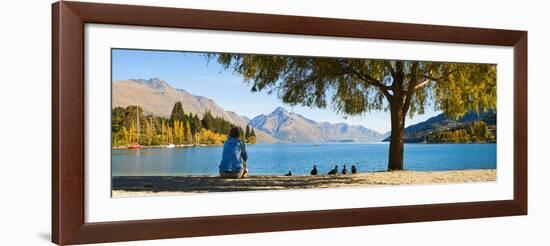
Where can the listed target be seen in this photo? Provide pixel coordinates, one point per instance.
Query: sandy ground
(175, 185)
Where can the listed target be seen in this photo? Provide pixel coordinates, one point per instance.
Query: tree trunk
(395, 161)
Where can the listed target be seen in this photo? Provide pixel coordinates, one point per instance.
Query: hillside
(418, 132)
(157, 97)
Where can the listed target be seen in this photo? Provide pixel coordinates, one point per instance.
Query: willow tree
(353, 87)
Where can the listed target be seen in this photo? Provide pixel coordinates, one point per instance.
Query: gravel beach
(128, 186)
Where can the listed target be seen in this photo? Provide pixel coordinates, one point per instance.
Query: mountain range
(291, 127)
(157, 97)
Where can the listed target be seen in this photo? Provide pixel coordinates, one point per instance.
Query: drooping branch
(381, 87)
(384, 89)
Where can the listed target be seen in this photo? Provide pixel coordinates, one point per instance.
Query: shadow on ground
(254, 183)
(217, 184)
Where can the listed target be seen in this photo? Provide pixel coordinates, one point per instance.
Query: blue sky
(191, 71)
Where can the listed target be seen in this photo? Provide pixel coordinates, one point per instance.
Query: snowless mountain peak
(291, 127)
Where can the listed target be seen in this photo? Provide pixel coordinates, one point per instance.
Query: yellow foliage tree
(169, 136)
(163, 130)
(188, 138)
(132, 133)
(149, 132)
(208, 137)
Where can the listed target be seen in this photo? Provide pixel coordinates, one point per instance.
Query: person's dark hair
(234, 132)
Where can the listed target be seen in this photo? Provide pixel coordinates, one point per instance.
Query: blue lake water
(278, 159)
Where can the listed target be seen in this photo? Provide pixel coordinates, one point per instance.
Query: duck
(344, 170)
(314, 170)
(288, 174)
(334, 171)
(353, 169)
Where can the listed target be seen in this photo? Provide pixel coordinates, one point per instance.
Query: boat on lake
(135, 146)
(170, 146)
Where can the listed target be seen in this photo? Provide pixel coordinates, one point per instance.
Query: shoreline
(133, 186)
(217, 145)
(164, 146)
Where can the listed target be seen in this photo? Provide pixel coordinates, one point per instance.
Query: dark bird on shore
(288, 174)
(314, 170)
(344, 170)
(353, 169)
(334, 171)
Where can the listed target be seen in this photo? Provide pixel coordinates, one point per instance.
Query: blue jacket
(233, 155)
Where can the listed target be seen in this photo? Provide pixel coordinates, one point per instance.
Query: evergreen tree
(177, 113)
(195, 125)
(191, 118)
(181, 132)
(207, 121)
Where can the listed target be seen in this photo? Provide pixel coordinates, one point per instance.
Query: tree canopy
(356, 86)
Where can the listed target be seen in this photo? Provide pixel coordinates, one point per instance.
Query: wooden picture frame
(68, 121)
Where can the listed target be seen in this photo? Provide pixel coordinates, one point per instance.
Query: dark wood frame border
(68, 19)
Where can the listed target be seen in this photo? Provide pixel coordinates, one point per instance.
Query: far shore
(164, 146)
(129, 186)
(217, 145)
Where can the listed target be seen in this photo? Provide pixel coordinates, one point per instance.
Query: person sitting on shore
(233, 156)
